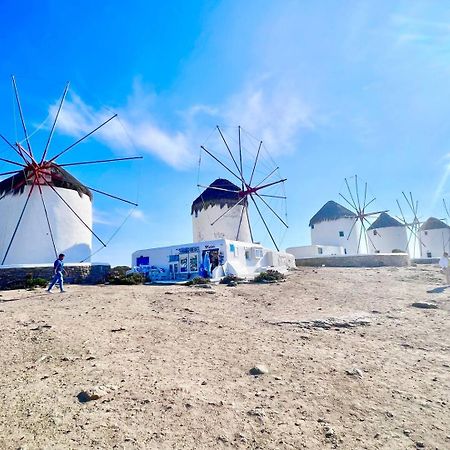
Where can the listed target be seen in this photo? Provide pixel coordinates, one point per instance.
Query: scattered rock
(389, 414)
(420, 444)
(407, 432)
(232, 284)
(95, 393)
(329, 432)
(354, 372)
(424, 305)
(326, 324)
(259, 369)
(115, 330)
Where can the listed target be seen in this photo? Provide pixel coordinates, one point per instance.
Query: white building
(219, 212)
(435, 238)
(311, 251)
(336, 226)
(386, 235)
(226, 257)
(32, 243)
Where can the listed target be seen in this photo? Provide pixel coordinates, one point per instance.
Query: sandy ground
(172, 364)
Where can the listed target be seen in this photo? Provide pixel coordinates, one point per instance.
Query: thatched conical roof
(331, 211)
(211, 197)
(384, 220)
(54, 175)
(433, 224)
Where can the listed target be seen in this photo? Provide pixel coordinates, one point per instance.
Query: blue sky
(333, 88)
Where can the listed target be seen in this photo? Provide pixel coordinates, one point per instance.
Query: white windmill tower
(387, 235)
(44, 210)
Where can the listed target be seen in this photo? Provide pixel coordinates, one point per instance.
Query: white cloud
(272, 112)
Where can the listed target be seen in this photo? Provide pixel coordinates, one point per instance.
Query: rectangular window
(320, 250)
(341, 234)
(375, 232)
(143, 261)
(312, 227)
(426, 233)
(193, 263)
(247, 253)
(183, 263)
(428, 254)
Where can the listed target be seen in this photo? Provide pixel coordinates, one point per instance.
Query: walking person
(58, 269)
(444, 265)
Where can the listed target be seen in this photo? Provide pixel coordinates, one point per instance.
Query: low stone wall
(378, 260)
(15, 277)
(425, 261)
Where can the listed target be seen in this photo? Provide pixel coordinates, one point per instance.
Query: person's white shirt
(443, 262)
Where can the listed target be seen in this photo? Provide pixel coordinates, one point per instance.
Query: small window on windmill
(320, 250)
(426, 233)
(429, 255)
(312, 227)
(247, 253)
(375, 232)
(341, 234)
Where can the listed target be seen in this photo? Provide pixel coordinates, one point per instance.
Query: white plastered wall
(387, 239)
(328, 233)
(435, 242)
(32, 243)
(225, 228)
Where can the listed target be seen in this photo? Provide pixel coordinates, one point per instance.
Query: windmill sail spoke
(264, 186)
(368, 236)
(47, 219)
(365, 197)
(359, 240)
(228, 210)
(16, 91)
(348, 202)
(240, 157)
(82, 139)
(240, 223)
(255, 163)
(50, 136)
(229, 150)
(16, 150)
(112, 196)
(18, 224)
(217, 188)
(265, 224)
(100, 161)
(74, 212)
(351, 195)
(267, 177)
(351, 228)
(8, 173)
(273, 196)
(273, 211)
(445, 208)
(357, 192)
(221, 163)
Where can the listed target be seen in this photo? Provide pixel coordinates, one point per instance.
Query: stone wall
(378, 260)
(15, 277)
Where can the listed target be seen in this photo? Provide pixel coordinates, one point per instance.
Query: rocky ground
(348, 363)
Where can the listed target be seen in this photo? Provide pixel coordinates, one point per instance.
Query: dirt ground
(351, 364)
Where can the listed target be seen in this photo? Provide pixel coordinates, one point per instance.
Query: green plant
(269, 276)
(230, 278)
(197, 280)
(118, 275)
(31, 282)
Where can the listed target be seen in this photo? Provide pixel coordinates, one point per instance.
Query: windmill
(224, 207)
(359, 203)
(45, 210)
(412, 225)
